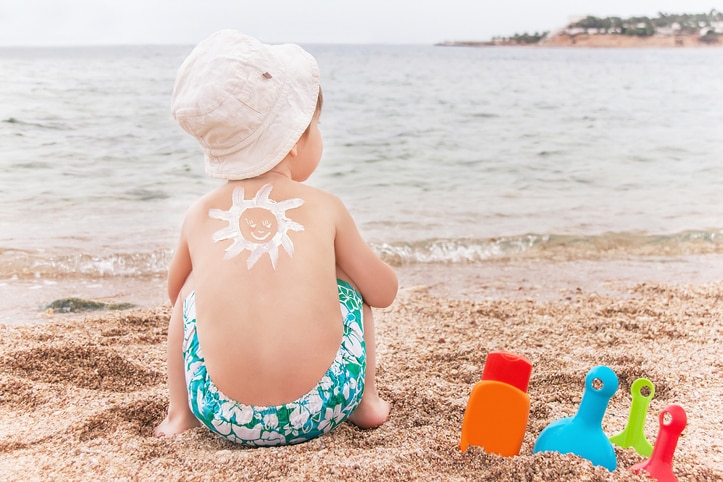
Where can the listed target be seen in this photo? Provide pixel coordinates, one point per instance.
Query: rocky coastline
(626, 41)
(584, 40)
(665, 30)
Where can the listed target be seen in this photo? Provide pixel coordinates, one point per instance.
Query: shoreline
(79, 396)
(597, 41)
(26, 302)
(545, 279)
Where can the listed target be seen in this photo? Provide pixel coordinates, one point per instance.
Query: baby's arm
(375, 280)
(378, 285)
(179, 269)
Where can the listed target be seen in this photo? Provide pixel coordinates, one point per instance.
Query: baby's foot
(371, 412)
(175, 425)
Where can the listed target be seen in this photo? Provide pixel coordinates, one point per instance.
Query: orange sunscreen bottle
(498, 407)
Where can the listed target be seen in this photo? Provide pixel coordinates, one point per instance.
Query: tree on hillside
(644, 26)
(639, 26)
(526, 38)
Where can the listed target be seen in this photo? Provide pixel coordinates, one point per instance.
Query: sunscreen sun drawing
(258, 225)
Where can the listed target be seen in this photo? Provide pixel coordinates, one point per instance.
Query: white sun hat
(247, 103)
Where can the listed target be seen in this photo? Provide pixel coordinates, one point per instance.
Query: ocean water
(443, 155)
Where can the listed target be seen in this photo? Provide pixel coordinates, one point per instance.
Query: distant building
(706, 30)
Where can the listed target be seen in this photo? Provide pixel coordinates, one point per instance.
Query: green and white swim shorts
(325, 406)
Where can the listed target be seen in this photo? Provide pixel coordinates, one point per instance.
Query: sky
(121, 22)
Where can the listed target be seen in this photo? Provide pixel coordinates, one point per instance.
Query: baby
(271, 339)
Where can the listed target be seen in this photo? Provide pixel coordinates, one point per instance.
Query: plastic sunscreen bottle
(498, 407)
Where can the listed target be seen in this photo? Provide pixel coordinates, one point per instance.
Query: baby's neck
(271, 175)
(277, 171)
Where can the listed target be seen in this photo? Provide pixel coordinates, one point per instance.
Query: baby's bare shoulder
(321, 196)
(311, 196)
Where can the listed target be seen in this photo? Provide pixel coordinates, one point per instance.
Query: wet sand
(79, 396)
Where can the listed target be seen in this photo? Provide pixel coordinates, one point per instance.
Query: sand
(79, 397)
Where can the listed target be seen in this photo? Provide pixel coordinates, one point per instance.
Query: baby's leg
(179, 417)
(372, 411)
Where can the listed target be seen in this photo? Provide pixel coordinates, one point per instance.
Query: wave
(15, 120)
(23, 264)
(39, 264)
(554, 247)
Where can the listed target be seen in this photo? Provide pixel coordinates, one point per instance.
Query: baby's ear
(294, 150)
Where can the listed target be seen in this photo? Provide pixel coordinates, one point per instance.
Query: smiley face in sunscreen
(257, 225)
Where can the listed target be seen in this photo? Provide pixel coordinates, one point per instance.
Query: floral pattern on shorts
(325, 406)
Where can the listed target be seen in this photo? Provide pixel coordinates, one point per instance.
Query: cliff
(625, 41)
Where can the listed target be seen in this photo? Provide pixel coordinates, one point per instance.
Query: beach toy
(632, 435)
(582, 434)
(660, 464)
(496, 414)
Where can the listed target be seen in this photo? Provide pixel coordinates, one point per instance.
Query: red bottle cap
(506, 367)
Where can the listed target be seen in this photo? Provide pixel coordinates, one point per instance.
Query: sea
(446, 156)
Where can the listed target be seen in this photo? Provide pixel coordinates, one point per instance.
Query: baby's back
(264, 274)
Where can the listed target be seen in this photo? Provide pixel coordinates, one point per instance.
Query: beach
(80, 394)
(558, 203)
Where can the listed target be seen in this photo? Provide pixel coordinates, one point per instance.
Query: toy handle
(634, 433)
(664, 447)
(595, 400)
(639, 408)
